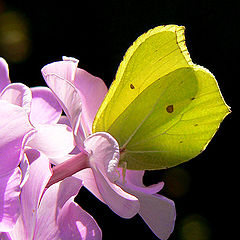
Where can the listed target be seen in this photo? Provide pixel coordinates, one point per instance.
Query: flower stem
(69, 167)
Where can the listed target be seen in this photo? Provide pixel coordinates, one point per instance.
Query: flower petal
(5, 236)
(18, 94)
(39, 175)
(64, 120)
(53, 140)
(56, 76)
(85, 227)
(18, 232)
(87, 176)
(14, 125)
(45, 108)
(92, 91)
(64, 218)
(4, 74)
(134, 181)
(24, 166)
(159, 213)
(104, 156)
(9, 199)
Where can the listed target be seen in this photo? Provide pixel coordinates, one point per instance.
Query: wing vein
(147, 116)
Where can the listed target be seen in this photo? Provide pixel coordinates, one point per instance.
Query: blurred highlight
(177, 182)
(194, 227)
(15, 44)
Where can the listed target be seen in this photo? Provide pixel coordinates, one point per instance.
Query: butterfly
(162, 108)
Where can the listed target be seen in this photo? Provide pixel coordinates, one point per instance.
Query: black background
(98, 33)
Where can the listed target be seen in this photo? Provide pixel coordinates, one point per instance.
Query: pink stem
(68, 168)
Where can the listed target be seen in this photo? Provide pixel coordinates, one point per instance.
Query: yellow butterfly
(162, 108)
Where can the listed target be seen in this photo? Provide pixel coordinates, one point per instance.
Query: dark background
(34, 33)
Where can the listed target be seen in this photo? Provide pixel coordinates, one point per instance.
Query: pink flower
(52, 213)
(96, 161)
(43, 112)
(28, 120)
(12, 142)
(14, 132)
(31, 119)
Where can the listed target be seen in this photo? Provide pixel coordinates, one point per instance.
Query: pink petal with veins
(55, 140)
(92, 90)
(18, 94)
(39, 175)
(64, 218)
(56, 76)
(45, 108)
(14, 125)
